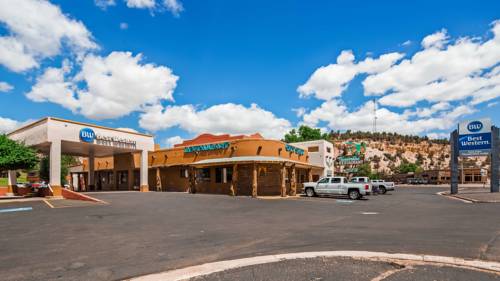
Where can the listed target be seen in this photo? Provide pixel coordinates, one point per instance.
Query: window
(218, 175)
(329, 149)
(229, 174)
(336, 180)
(205, 174)
(313, 149)
(325, 180)
(183, 173)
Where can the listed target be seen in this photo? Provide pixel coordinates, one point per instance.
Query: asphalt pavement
(142, 233)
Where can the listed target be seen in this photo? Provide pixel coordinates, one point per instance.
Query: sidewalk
(476, 194)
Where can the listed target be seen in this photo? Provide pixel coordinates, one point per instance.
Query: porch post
(55, 167)
(309, 175)
(293, 190)
(12, 181)
(254, 180)
(91, 174)
(144, 172)
(234, 181)
(192, 180)
(158, 180)
(283, 179)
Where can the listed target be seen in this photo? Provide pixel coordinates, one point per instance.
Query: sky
(178, 68)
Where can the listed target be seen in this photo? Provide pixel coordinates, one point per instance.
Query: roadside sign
(474, 137)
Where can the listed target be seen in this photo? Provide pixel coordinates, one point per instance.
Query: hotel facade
(116, 159)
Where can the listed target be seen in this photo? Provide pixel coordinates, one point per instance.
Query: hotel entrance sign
(474, 137)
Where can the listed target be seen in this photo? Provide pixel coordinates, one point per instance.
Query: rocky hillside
(386, 151)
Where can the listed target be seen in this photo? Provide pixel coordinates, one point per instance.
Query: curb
(209, 268)
(71, 195)
(465, 199)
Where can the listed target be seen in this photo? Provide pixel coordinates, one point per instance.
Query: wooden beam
(293, 189)
(234, 181)
(283, 180)
(254, 180)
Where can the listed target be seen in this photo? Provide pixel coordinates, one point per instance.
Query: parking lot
(141, 233)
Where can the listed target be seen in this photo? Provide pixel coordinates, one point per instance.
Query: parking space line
(16, 210)
(47, 202)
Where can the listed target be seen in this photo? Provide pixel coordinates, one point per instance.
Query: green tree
(305, 133)
(66, 162)
(364, 170)
(15, 155)
(407, 167)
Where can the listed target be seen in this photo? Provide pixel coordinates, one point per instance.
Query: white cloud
(227, 118)
(436, 40)
(141, 4)
(442, 71)
(5, 87)
(299, 111)
(104, 4)
(8, 125)
(338, 117)
(128, 130)
(123, 25)
(38, 29)
(330, 81)
(492, 104)
(435, 136)
(406, 43)
(170, 142)
(106, 87)
(174, 6)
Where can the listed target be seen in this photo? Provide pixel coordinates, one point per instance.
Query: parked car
(417, 181)
(337, 186)
(383, 186)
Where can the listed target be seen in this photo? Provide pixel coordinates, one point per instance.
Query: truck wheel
(354, 194)
(310, 192)
(382, 190)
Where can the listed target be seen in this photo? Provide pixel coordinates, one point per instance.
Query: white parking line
(369, 213)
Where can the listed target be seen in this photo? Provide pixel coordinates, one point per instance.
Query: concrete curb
(465, 198)
(209, 268)
(69, 194)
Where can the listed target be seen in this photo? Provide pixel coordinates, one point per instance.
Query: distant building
(321, 153)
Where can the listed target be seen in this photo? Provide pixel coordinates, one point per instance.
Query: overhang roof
(249, 159)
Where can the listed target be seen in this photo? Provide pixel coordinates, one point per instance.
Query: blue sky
(236, 67)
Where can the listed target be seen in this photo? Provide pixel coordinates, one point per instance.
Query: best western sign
(88, 135)
(474, 137)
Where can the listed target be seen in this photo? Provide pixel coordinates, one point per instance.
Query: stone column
(55, 167)
(130, 178)
(283, 179)
(11, 181)
(91, 174)
(293, 185)
(234, 181)
(254, 180)
(144, 185)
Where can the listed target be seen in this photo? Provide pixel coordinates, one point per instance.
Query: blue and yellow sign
(206, 147)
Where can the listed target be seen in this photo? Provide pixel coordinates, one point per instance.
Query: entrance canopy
(54, 136)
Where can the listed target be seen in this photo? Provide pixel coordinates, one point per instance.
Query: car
(417, 181)
(383, 186)
(337, 186)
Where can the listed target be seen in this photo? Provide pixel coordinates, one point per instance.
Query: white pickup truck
(378, 186)
(337, 186)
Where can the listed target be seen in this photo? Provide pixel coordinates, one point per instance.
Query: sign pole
(495, 160)
(454, 162)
